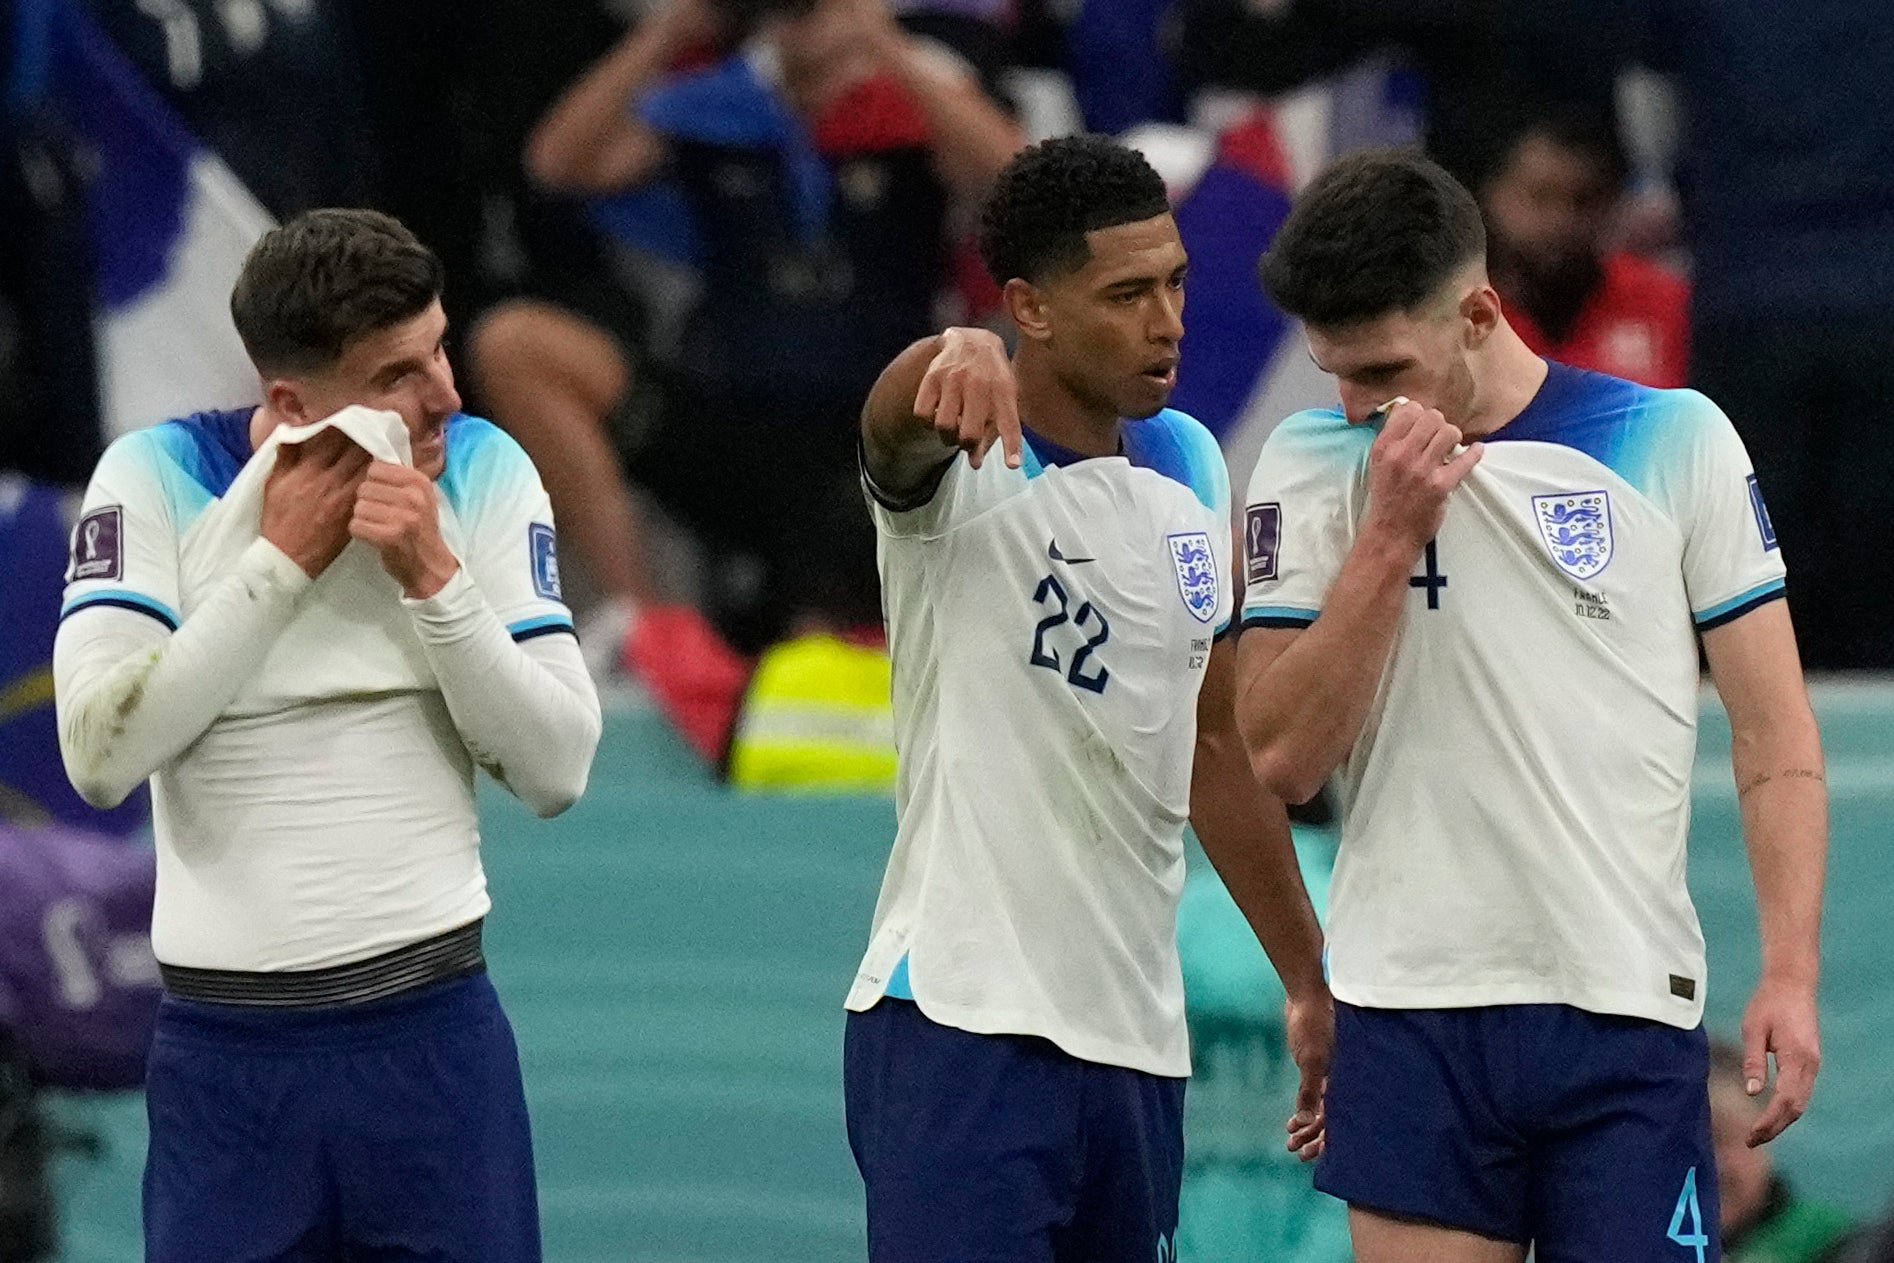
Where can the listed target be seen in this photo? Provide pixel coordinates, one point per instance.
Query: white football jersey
(1049, 627)
(327, 814)
(1516, 808)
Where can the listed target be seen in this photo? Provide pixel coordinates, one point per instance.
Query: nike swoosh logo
(1052, 551)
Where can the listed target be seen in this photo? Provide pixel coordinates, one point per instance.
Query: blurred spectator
(1246, 1199)
(1763, 1220)
(816, 165)
(1549, 209)
(1787, 178)
(1483, 62)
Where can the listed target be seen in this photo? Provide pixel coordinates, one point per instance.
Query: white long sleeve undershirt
(132, 696)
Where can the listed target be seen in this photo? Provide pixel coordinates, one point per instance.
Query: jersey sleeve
(512, 548)
(961, 494)
(1299, 517)
(1731, 560)
(124, 550)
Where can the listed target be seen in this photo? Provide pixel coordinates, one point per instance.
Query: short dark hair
(327, 277)
(1053, 193)
(1576, 126)
(1378, 232)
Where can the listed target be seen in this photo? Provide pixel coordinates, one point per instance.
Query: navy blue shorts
(1004, 1149)
(1586, 1134)
(392, 1131)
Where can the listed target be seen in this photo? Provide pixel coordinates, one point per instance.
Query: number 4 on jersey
(1433, 580)
(1687, 1205)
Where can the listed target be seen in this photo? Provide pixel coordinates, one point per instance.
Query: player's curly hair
(324, 279)
(1052, 194)
(1380, 231)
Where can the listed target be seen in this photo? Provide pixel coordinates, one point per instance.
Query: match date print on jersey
(1590, 605)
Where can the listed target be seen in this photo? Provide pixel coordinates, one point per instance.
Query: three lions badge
(1576, 527)
(1196, 568)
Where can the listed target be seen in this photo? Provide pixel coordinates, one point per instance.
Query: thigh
(434, 1157)
(1384, 1238)
(234, 1171)
(1134, 1170)
(968, 1145)
(1624, 1169)
(1417, 1124)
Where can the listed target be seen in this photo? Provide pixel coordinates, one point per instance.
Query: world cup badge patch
(545, 553)
(1576, 526)
(98, 545)
(1262, 538)
(1196, 573)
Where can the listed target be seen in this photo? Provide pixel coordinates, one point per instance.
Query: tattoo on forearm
(1786, 774)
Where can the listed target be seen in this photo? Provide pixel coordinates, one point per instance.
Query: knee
(511, 339)
(522, 350)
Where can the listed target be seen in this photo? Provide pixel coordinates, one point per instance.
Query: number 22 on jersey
(1088, 620)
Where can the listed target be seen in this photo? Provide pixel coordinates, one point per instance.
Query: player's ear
(1480, 314)
(1026, 304)
(284, 396)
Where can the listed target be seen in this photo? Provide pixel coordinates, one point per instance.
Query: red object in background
(873, 115)
(980, 295)
(695, 678)
(1635, 325)
(1252, 145)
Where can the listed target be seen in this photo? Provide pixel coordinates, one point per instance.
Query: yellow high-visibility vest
(816, 718)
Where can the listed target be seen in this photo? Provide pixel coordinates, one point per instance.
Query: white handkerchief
(381, 433)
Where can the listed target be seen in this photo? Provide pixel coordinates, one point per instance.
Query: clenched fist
(396, 512)
(309, 496)
(1414, 465)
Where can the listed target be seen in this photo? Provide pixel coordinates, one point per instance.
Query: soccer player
(332, 1075)
(1481, 606)
(1016, 1050)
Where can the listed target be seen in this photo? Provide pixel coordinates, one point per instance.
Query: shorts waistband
(442, 958)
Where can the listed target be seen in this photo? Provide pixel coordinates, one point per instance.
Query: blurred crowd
(682, 238)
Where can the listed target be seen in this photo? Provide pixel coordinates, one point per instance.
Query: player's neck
(1049, 409)
(1509, 378)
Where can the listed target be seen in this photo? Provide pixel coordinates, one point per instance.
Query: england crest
(1576, 526)
(1196, 573)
